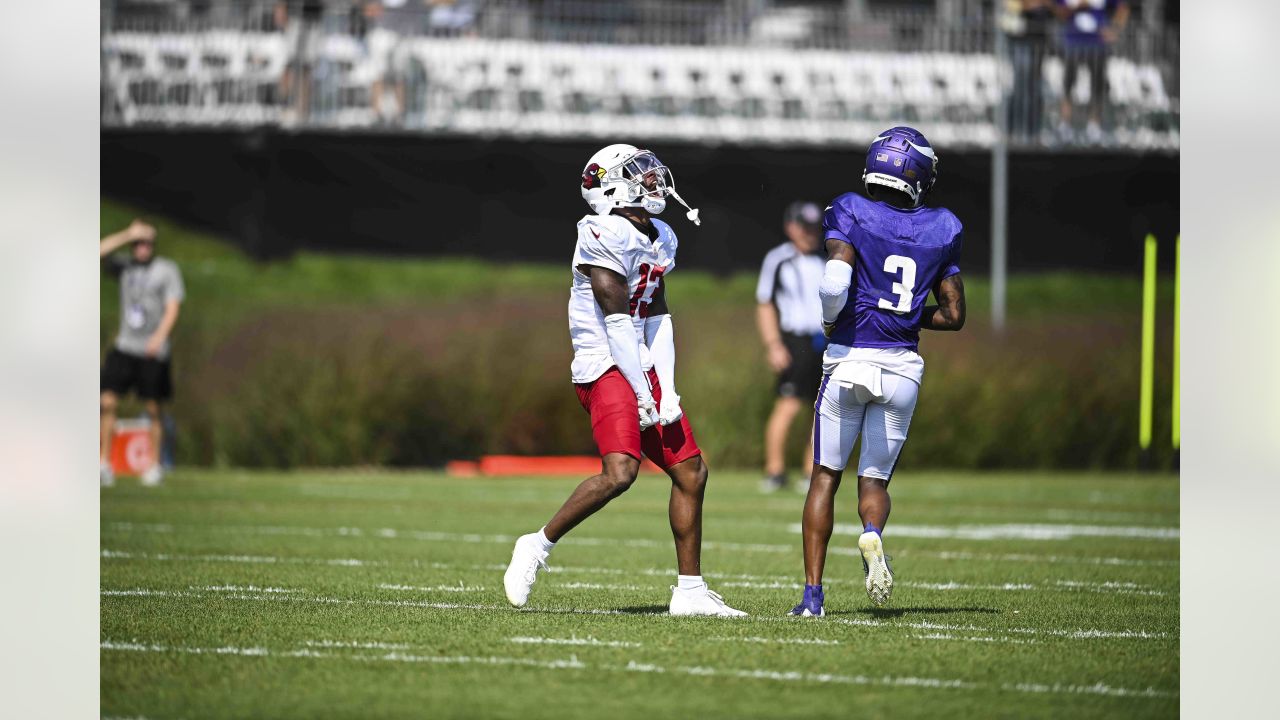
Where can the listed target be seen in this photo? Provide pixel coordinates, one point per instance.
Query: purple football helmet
(902, 159)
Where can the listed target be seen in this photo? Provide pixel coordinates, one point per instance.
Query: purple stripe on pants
(817, 420)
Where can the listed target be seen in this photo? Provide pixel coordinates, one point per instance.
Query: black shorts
(800, 379)
(149, 377)
(1092, 61)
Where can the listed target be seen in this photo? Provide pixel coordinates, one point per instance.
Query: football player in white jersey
(624, 369)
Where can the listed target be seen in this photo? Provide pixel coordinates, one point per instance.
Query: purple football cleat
(811, 605)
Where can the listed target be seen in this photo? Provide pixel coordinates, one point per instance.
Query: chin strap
(693, 212)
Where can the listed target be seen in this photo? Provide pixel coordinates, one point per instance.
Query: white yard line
(752, 582)
(574, 640)
(776, 641)
(573, 663)
(432, 536)
(250, 559)
(355, 644)
(458, 587)
(1079, 634)
(1012, 531)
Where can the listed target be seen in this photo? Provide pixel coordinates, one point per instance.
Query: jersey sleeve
(598, 245)
(952, 264)
(173, 286)
(767, 285)
(836, 222)
(668, 243)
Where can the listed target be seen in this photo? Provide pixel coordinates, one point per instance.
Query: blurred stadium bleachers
(710, 71)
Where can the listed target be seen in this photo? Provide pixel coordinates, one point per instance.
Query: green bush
(327, 361)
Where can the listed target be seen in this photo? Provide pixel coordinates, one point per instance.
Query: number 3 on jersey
(893, 265)
(650, 280)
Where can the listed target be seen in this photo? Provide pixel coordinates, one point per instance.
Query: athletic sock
(814, 591)
(543, 541)
(871, 528)
(689, 582)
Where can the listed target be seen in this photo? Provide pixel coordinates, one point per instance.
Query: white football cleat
(700, 601)
(152, 476)
(876, 567)
(106, 476)
(527, 559)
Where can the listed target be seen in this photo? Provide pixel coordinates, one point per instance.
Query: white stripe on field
(1085, 633)
(753, 582)
(251, 559)
(429, 536)
(777, 641)
(459, 587)
(573, 663)
(1098, 689)
(245, 588)
(574, 640)
(355, 644)
(1012, 531)
(972, 638)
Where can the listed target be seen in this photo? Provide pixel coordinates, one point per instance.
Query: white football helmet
(622, 175)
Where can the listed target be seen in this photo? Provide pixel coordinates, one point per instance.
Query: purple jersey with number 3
(901, 256)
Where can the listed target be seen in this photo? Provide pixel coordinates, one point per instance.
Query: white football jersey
(611, 241)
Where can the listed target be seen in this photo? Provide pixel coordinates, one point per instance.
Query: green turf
(316, 594)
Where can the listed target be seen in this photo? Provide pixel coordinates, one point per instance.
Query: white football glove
(648, 413)
(670, 412)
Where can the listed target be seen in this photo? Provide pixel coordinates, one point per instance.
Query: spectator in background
(1089, 26)
(151, 292)
(1028, 25)
(391, 23)
(300, 20)
(789, 317)
(453, 18)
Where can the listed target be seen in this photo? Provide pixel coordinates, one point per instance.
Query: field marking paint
(1075, 634)
(1013, 531)
(973, 638)
(245, 588)
(574, 640)
(459, 587)
(429, 536)
(753, 582)
(250, 559)
(573, 663)
(1098, 689)
(777, 641)
(1032, 558)
(355, 644)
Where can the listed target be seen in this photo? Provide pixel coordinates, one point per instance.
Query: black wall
(274, 192)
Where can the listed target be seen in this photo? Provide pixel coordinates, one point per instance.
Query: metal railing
(741, 71)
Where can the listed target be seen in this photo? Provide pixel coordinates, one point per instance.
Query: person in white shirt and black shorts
(789, 316)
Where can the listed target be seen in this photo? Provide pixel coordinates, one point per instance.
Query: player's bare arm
(949, 313)
(609, 288)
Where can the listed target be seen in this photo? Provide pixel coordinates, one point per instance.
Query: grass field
(343, 594)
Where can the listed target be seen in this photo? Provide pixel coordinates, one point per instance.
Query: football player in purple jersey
(886, 252)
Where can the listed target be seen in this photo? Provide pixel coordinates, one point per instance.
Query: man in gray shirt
(151, 292)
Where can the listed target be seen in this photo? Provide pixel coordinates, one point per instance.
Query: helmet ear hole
(609, 192)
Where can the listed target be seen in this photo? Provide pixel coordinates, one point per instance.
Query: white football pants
(878, 407)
